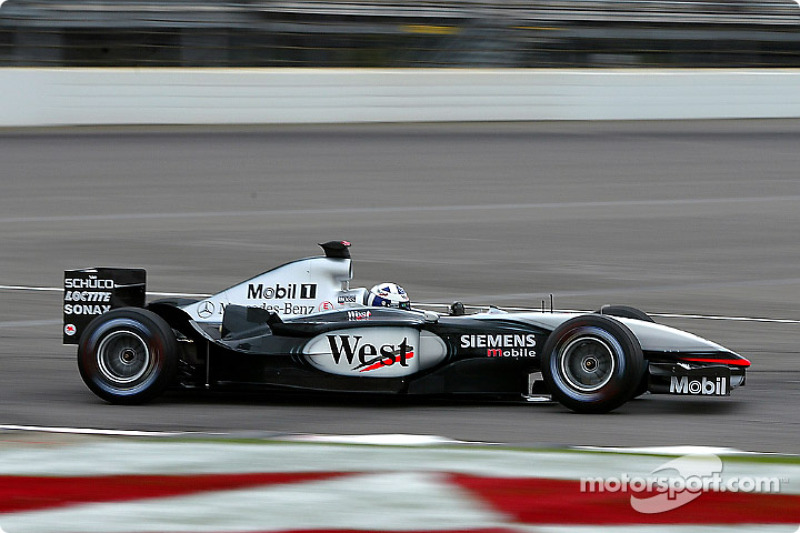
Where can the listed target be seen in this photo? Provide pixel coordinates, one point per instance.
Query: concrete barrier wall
(55, 97)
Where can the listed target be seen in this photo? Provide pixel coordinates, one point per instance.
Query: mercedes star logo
(205, 309)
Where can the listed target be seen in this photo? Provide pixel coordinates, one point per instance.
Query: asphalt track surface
(672, 217)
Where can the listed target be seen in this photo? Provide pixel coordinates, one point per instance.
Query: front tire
(625, 311)
(128, 356)
(592, 364)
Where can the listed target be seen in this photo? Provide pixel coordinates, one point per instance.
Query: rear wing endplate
(90, 292)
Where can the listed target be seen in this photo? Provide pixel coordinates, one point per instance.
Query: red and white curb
(129, 485)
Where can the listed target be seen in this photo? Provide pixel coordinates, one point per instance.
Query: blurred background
(393, 33)
(497, 187)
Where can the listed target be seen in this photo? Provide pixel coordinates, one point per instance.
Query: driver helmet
(388, 294)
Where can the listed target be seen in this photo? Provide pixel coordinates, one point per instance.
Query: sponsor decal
(326, 306)
(205, 309)
(286, 308)
(91, 283)
(86, 296)
(508, 345)
(705, 387)
(510, 352)
(358, 315)
(92, 293)
(70, 330)
(367, 356)
(678, 482)
(290, 309)
(86, 309)
(346, 299)
(292, 291)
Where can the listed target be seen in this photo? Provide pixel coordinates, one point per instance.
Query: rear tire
(128, 356)
(592, 364)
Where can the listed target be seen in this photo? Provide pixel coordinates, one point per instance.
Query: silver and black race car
(301, 327)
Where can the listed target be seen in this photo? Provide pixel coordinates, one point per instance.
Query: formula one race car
(301, 327)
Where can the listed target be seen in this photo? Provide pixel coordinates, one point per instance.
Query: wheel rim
(587, 363)
(123, 357)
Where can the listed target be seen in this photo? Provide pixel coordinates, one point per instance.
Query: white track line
(660, 315)
(406, 209)
(669, 450)
(32, 289)
(729, 318)
(89, 431)
(379, 439)
(707, 317)
(387, 439)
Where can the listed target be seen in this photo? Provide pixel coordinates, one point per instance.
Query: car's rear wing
(90, 292)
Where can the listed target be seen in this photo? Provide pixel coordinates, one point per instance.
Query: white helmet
(388, 294)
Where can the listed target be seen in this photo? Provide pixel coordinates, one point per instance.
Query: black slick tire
(625, 311)
(592, 364)
(128, 356)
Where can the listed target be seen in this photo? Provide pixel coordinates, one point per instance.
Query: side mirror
(431, 316)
